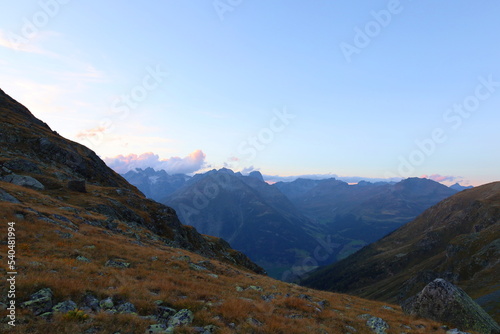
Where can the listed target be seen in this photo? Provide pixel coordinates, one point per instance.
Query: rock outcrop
(444, 302)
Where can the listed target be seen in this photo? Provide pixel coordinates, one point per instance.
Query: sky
(374, 89)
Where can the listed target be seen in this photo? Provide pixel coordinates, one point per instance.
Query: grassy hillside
(457, 239)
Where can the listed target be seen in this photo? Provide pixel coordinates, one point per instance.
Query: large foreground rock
(444, 302)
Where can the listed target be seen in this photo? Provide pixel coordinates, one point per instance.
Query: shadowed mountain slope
(251, 215)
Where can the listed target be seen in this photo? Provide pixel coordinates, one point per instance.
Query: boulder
(65, 306)
(126, 308)
(164, 313)
(377, 325)
(77, 185)
(91, 302)
(442, 301)
(6, 197)
(107, 304)
(118, 263)
(182, 318)
(40, 302)
(25, 181)
(158, 329)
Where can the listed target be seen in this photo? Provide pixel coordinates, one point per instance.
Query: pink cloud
(442, 178)
(91, 132)
(174, 165)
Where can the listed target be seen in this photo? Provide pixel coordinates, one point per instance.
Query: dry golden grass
(47, 258)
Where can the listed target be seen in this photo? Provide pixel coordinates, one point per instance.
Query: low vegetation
(230, 298)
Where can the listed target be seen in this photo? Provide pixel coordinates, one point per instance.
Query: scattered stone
(210, 329)
(306, 297)
(268, 298)
(182, 318)
(6, 197)
(77, 185)
(68, 208)
(254, 322)
(65, 306)
(184, 258)
(91, 302)
(39, 302)
(442, 301)
(36, 264)
(82, 259)
(106, 304)
(385, 307)
(377, 325)
(126, 308)
(24, 180)
(323, 303)
(364, 316)
(206, 330)
(47, 315)
(239, 289)
(350, 329)
(196, 267)
(164, 314)
(456, 331)
(213, 275)
(157, 329)
(64, 235)
(254, 287)
(118, 263)
(294, 316)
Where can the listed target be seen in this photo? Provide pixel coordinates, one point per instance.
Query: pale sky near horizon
(369, 88)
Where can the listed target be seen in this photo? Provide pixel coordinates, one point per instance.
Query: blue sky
(374, 88)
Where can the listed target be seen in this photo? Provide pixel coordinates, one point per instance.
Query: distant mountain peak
(257, 175)
(457, 186)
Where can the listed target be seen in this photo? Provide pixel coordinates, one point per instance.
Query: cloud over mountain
(442, 178)
(174, 165)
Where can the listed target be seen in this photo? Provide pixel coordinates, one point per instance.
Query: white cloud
(174, 165)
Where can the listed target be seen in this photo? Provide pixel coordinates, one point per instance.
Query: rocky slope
(457, 239)
(34, 156)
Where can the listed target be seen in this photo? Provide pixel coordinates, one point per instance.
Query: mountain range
(295, 220)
